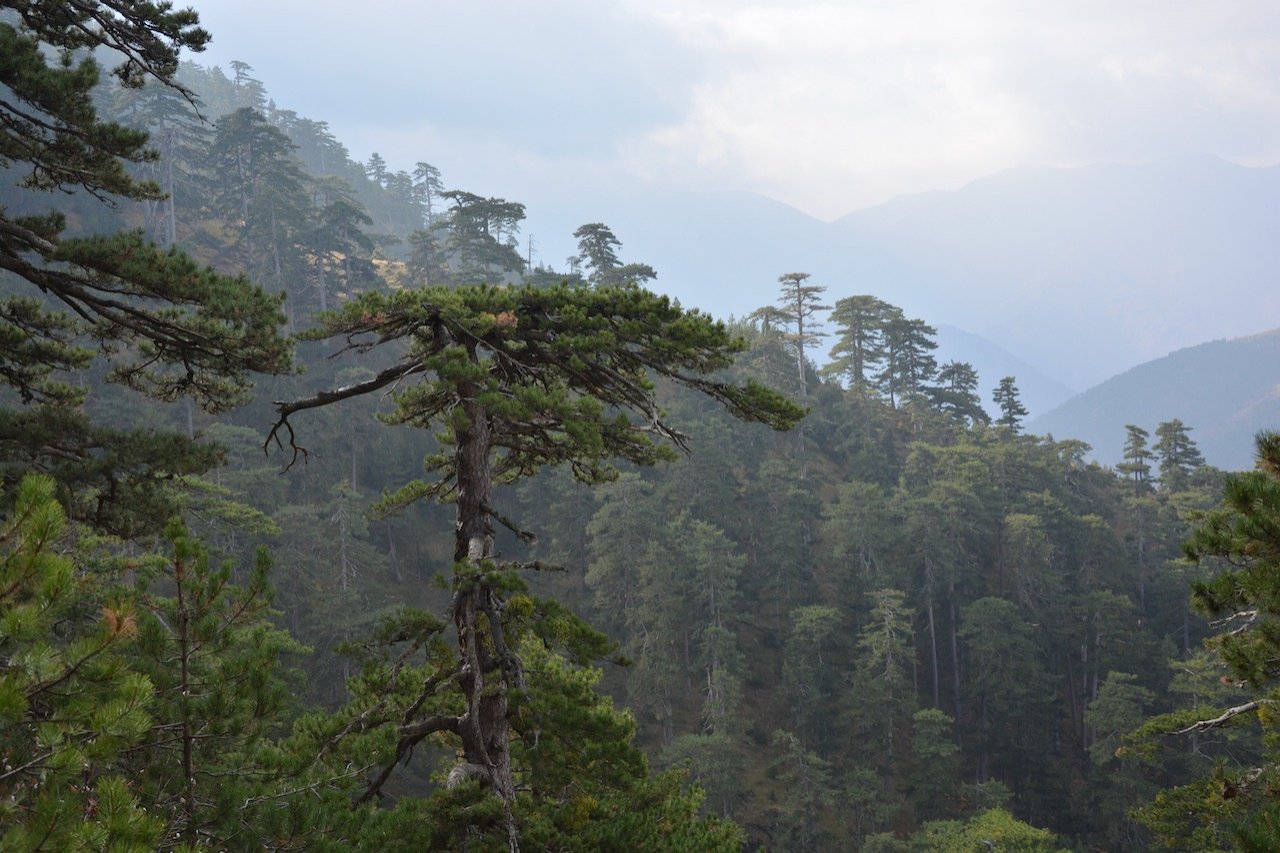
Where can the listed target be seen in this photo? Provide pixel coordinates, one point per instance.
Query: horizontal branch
(532, 565)
(323, 398)
(1223, 718)
(1249, 617)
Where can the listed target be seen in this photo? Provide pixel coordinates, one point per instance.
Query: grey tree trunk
(488, 668)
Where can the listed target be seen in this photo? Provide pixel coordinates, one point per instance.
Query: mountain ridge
(1224, 389)
(1081, 271)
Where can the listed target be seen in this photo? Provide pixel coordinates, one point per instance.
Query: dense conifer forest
(539, 559)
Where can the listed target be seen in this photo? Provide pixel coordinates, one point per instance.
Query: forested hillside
(536, 558)
(1235, 386)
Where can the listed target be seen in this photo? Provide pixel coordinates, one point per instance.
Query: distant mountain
(1039, 392)
(1081, 272)
(1086, 271)
(1225, 390)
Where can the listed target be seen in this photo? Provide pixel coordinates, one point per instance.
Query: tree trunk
(185, 691)
(933, 654)
(955, 651)
(485, 729)
(1077, 719)
(170, 214)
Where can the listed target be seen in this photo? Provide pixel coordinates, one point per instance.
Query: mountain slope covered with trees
(1235, 386)
(800, 608)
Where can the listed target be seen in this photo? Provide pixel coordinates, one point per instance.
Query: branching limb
(410, 736)
(323, 398)
(525, 536)
(1248, 617)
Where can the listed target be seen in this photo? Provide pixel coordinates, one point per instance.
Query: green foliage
(71, 704)
(597, 249)
(1137, 458)
(956, 393)
(1232, 800)
(472, 244)
(933, 785)
(1177, 453)
(208, 647)
(808, 794)
(1012, 411)
(860, 345)
(908, 363)
(748, 582)
(1118, 709)
(590, 351)
(994, 829)
(168, 326)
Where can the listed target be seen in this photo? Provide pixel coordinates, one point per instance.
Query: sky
(828, 107)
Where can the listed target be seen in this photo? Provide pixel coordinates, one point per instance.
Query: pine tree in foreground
(156, 320)
(517, 380)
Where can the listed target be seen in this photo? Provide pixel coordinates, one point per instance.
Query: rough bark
(488, 668)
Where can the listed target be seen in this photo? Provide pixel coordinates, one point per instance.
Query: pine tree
(262, 197)
(808, 794)
(956, 393)
(800, 304)
(428, 186)
(519, 379)
(885, 659)
(1011, 409)
(209, 649)
(376, 169)
(167, 326)
(598, 250)
(1137, 458)
(1177, 453)
(70, 702)
(468, 245)
(338, 246)
(907, 363)
(935, 774)
(1232, 804)
(860, 347)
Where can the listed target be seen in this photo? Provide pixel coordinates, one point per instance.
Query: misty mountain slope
(1081, 272)
(1086, 270)
(1225, 390)
(711, 266)
(719, 251)
(1039, 392)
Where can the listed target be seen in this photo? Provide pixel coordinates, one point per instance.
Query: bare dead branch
(525, 536)
(1224, 718)
(323, 398)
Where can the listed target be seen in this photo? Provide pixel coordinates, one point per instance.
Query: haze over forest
(663, 427)
(1064, 183)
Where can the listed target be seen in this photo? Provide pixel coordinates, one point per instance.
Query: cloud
(563, 78)
(828, 106)
(831, 106)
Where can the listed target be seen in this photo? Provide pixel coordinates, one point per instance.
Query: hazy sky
(826, 106)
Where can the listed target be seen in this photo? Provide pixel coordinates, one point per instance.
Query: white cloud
(829, 106)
